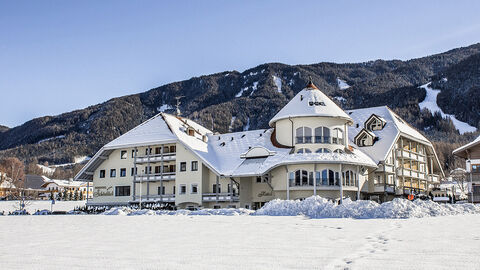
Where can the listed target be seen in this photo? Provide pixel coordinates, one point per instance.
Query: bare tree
(15, 170)
(459, 175)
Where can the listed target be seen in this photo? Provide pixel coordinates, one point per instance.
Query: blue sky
(57, 56)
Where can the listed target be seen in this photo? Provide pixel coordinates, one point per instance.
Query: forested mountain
(234, 101)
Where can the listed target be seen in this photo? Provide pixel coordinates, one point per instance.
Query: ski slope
(430, 102)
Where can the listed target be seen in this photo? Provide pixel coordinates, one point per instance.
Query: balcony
(212, 197)
(386, 168)
(433, 178)
(411, 173)
(153, 177)
(157, 158)
(410, 155)
(155, 198)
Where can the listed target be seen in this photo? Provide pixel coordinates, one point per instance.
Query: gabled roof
(387, 136)
(160, 129)
(310, 102)
(33, 181)
(461, 151)
(152, 131)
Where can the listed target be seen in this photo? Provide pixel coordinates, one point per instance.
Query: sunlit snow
(278, 83)
(165, 107)
(342, 84)
(430, 102)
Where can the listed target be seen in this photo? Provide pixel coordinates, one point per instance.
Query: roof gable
(310, 102)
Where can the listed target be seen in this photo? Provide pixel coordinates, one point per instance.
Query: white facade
(310, 149)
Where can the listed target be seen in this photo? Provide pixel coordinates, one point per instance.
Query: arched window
(304, 135)
(325, 177)
(339, 151)
(331, 175)
(326, 135)
(303, 151)
(318, 134)
(303, 178)
(323, 150)
(337, 136)
(350, 178)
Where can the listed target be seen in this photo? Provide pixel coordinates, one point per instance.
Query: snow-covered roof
(64, 183)
(6, 184)
(152, 131)
(461, 150)
(226, 154)
(160, 129)
(310, 102)
(387, 136)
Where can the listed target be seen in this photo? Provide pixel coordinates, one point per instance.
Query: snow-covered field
(238, 242)
(32, 206)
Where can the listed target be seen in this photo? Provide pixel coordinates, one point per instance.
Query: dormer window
(375, 122)
(190, 131)
(365, 138)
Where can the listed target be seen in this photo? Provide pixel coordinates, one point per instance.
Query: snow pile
(318, 207)
(430, 102)
(125, 211)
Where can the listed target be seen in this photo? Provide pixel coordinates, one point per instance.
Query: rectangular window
(157, 169)
(476, 168)
(194, 165)
(148, 169)
(259, 179)
(217, 189)
(102, 173)
(123, 172)
(148, 151)
(194, 189)
(183, 166)
(183, 189)
(174, 189)
(158, 150)
(113, 173)
(217, 206)
(123, 154)
(173, 149)
(133, 171)
(133, 153)
(161, 190)
(122, 191)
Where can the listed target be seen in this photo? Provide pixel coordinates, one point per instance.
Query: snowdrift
(318, 207)
(125, 211)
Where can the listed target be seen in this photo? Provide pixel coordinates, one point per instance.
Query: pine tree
(65, 195)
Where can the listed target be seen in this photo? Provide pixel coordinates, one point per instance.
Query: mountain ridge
(232, 100)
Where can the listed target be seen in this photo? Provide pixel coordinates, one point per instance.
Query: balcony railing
(157, 158)
(155, 198)
(212, 197)
(167, 176)
(433, 178)
(410, 155)
(319, 139)
(411, 173)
